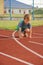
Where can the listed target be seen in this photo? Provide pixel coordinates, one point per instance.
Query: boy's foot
(21, 35)
(26, 35)
(30, 36)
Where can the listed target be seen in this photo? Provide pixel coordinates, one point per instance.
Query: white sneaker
(26, 35)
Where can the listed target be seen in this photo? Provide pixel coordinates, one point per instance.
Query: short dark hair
(27, 16)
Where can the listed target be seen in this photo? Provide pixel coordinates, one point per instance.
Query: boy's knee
(27, 30)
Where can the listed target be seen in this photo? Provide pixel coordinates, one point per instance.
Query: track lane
(8, 61)
(34, 47)
(13, 49)
(9, 46)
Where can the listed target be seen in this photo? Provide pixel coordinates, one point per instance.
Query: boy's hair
(27, 16)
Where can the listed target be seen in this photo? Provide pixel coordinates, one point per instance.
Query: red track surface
(10, 47)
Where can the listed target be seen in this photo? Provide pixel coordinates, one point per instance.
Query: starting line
(37, 54)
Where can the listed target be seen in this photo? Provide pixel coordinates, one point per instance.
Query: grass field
(12, 24)
(20, 15)
(13, 15)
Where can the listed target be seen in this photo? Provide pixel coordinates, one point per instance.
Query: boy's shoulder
(21, 21)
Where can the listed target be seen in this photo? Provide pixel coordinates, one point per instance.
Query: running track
(25, 51)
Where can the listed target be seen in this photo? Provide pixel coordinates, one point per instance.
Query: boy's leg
(21, 34)
(29, 31)
(26, 33)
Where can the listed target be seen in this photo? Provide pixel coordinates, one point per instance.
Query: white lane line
(17, 59)
(36, 43)
(4, 36)
(21, 44)
(37, 37)
(38, 34)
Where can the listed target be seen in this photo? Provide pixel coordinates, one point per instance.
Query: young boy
(25, 27)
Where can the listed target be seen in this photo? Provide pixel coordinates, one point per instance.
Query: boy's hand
(21, 35)
(30, 36)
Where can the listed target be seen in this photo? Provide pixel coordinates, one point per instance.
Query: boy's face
(26, 21)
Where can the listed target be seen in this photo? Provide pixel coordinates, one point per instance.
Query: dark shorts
(24, 27)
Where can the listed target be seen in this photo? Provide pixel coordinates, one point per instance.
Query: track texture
(9, 46)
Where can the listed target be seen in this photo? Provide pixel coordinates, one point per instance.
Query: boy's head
(26, 18)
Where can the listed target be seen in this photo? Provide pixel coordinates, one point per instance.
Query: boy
(25, 27)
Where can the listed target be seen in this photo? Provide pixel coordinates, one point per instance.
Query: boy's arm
(20, 32)
(31, 32)
(20, 27)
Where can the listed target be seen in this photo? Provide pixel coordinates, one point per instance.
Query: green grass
(37, 23)
(20, 15)
(39, 15)
(8, 24)
(12, 24)
(13, 15)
